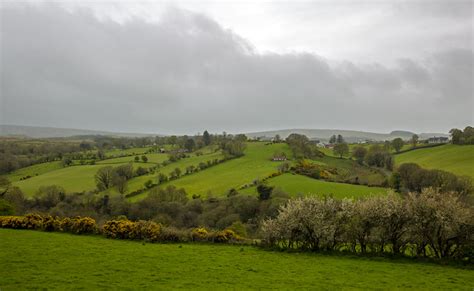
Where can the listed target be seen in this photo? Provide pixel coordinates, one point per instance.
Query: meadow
(218, 180)
(458, 159)
(256, 164)
(33, 259)
(297, 185)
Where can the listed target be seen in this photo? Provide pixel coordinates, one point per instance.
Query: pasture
(34, 259)
(34, 170)
(458, 159)
(218, 180)
(301, 185)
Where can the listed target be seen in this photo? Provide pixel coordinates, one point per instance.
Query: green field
(153, 159)
(72, 179)
(34, 170)
(330, 152)
(37, 260)
(130, 151)
(218, 180)
(138, 182)
(453, 158)
(297, 184)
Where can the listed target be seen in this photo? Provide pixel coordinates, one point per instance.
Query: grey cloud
(186, 73)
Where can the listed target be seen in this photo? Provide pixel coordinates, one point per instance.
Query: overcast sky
(185, 66)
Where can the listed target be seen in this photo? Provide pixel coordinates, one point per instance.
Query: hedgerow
(118, 229)
(427, 224)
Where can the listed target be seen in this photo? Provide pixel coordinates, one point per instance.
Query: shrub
(148, 230)
(225, 236)
(431, 223)
(171, 234)
(81, 225)
(32, 221)
(51, 223)
(121, 229)
(199, 234)
(126, 229)
(15, 222)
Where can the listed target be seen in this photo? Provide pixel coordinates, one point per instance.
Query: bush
(82, 225)
(171, 234)
(430, 223)
(225, 236)
(199, 234)
(126, 229)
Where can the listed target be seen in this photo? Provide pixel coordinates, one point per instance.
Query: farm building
(279, 157)
(440, 139)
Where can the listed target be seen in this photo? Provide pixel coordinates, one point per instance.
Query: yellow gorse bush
(126, 229)
(199, 234)
(76, 225)
(118, 229)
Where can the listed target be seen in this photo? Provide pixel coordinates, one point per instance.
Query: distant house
(321, 145)
(329, 146)
(437, 139)
(279, 157)
(162, 150)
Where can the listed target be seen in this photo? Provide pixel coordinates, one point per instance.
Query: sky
(179, 67)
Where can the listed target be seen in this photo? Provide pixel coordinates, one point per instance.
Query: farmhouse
(279, 157)
(440, 139)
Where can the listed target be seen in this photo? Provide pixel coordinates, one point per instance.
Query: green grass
(297, 184)
(137, 182)
(218, 180)
(130, 151)
(349, 170)
(330, 152)
(452, 158)
(37, 260)
(72, 179)
(153, 159)
(34, 170)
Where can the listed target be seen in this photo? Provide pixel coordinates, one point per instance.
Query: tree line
(426, 224)
(169, 206)
(462, 137)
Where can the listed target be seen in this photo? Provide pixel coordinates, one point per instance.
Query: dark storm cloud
(186, 73)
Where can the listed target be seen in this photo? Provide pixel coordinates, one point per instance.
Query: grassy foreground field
(297, 184)
(37, 260)
(452, 158)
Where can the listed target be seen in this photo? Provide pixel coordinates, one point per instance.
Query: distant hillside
(43, 132)
(349, 135)
(458, 159)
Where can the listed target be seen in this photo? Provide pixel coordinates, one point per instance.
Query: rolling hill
(49, 132)
(349, 135)
(453, 158)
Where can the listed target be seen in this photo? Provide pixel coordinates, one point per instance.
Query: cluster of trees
(465, 136)
(233, 146)
(20, 153)
(429, 223)
(341, 148)
(376, 155)
(411, 177)
(108, 177)
(168, 206)
(301, 147)
(336, 139)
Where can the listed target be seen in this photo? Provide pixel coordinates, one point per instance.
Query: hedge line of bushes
(426, 224)
(77, 225)
(119, 229)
